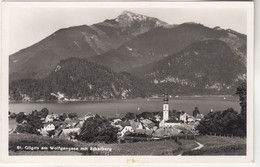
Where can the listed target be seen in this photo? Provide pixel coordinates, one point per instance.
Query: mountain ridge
(161, 42)
(77, 41)
(139, 53)
(204, 67)
(78, 79)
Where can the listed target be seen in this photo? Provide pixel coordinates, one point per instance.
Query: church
(165, 121)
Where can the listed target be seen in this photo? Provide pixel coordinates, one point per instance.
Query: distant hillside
(84, 41)
(161, 42)
(204, 67)
(81, 80)
(129, 56)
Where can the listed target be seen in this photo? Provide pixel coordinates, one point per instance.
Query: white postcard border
(129, 159)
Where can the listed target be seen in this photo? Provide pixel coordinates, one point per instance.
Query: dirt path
(196, 148)
(199, 147)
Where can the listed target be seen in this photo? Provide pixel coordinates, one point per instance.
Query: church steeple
(165, 98)
(165, 106)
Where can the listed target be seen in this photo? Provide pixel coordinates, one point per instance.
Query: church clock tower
(165, 107)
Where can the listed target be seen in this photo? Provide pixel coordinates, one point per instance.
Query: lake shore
(111, 108)
(228, 97)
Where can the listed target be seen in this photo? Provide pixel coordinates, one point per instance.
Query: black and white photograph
(145, 80)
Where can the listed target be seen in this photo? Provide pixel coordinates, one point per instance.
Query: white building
(125, 129)
(165, 108)
(88, 115)
(165, 121)
(184, 117)
(48, 127)
(168, 124)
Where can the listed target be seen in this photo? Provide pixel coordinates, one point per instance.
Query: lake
(110, 108)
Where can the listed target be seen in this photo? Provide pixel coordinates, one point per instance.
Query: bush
(98, 129)
(20, 117)
(223, 122)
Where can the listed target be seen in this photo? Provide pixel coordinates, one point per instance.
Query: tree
(13, 115)
(228, 121)
(20, 117)
(195, 112)
(44, 112)
(72, 115)
(130, 116)
(51, 133)
(242, 92)
(223, 122)
(147, 115)
(63, 117)
(98, 129)
(32, 125)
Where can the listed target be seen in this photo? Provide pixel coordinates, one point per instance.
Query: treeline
(95, 129)
(80, 79)
(33, 122)
(98, 129)
(228, 122)
(30, 123)
(204, 67)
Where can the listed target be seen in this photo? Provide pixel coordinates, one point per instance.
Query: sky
(28, 25)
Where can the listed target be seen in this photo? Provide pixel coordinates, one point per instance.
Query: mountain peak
(130, 16)
(127, 17)
(126, 12)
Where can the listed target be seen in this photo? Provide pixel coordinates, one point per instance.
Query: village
(145, 126)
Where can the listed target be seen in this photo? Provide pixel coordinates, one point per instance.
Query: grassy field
(162, 147)
(212, 146)
(218, 145)
(12, 124)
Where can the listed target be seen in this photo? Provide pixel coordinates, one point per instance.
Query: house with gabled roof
(125, 130)
(147, 124)
(136, 125)
(169, 123)
(88, 115)
(65, 133)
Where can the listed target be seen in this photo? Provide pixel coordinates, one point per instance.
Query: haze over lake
(110, 108)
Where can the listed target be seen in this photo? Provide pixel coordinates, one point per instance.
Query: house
(52, 117)
(185, 128)
(48, 118)
(136, 125)
(48, 127)
(157, 118)
(192, 125)
(168, 131)
(158, 133)
(73, 123)
(199, 117)
(144, 131)
(116, 123)
(68, 133)
(171, 131)
(147, 124)
(88, 115)
(184, 117)
(169, 123)
(126, 129)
